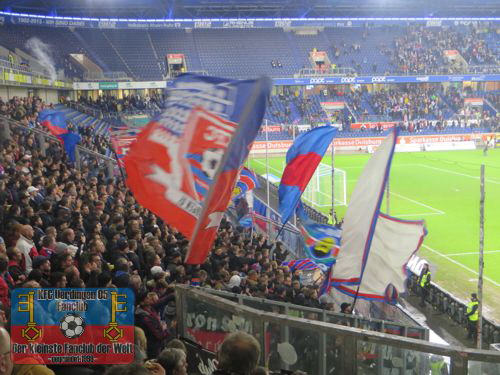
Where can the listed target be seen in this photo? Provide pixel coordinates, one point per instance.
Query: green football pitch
(443, 188)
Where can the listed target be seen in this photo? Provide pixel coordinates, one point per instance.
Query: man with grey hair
(173, 360)
(238, 355)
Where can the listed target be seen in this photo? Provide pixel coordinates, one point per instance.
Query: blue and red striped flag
(302, 160)
(301, 264)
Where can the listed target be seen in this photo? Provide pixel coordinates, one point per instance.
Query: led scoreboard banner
(72, 326)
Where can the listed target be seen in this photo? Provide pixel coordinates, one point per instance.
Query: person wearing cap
(472, 315)
(35, 198)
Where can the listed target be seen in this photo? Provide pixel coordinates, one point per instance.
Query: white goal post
(318, 192)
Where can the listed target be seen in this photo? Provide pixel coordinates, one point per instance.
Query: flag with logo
(321, 241)
(246, 182)
(184, 165)
(302, 160)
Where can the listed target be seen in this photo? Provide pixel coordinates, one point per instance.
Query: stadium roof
(256, 8)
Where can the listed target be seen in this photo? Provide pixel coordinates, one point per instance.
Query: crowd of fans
(129, 103)
(26, 110)
(413, 103)
(422, 50)
(63, 227)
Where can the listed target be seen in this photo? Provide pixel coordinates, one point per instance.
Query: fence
(408, 328)
(106, 76)
(318, 347)
(446, 303)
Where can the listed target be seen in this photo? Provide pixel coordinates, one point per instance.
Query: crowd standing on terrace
(63, 227)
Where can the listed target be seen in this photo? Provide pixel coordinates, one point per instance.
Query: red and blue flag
(321, 241)
(185, 163)
(302, 160)
(246, 182)
(301, 264)
(53, 120)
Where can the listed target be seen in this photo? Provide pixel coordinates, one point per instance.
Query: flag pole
(481, 261)
(333, 179)
(267, 182)
(388, 195)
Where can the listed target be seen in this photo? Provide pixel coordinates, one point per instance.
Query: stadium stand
(249, 52)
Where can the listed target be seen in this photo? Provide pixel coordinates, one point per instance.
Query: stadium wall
(47, 95)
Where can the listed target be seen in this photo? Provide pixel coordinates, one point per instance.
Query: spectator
(149, 320)
(238, 354)
(173, 361)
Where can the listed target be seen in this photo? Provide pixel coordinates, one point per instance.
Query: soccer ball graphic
(210, 161)
(72, 326)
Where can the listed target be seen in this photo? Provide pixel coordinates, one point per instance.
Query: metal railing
(33, 79)
(374, 118)
(445, 303)
(172, 75)
(320, 347)
(410, 329)
(108, 76)
(310, 72)
(487, 69)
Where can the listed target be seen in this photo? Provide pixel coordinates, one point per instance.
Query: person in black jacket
(148, 318)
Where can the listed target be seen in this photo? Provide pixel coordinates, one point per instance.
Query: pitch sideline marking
(474, 253)
(436, 211)
(424, 214)
(459, 174)
(459, 264)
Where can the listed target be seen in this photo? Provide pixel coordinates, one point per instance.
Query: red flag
(184, 165)
(164, 180)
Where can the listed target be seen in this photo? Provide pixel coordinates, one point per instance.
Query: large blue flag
(302, 160)
(70, 140)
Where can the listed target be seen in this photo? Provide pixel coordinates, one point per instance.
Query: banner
(271, 128)
(373, 125)
(235, 23)
(72, 326)
(333, 106)
(474, 101)
(259, 147)
(185, 163)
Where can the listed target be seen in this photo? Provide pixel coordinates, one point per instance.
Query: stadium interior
(79, 82)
